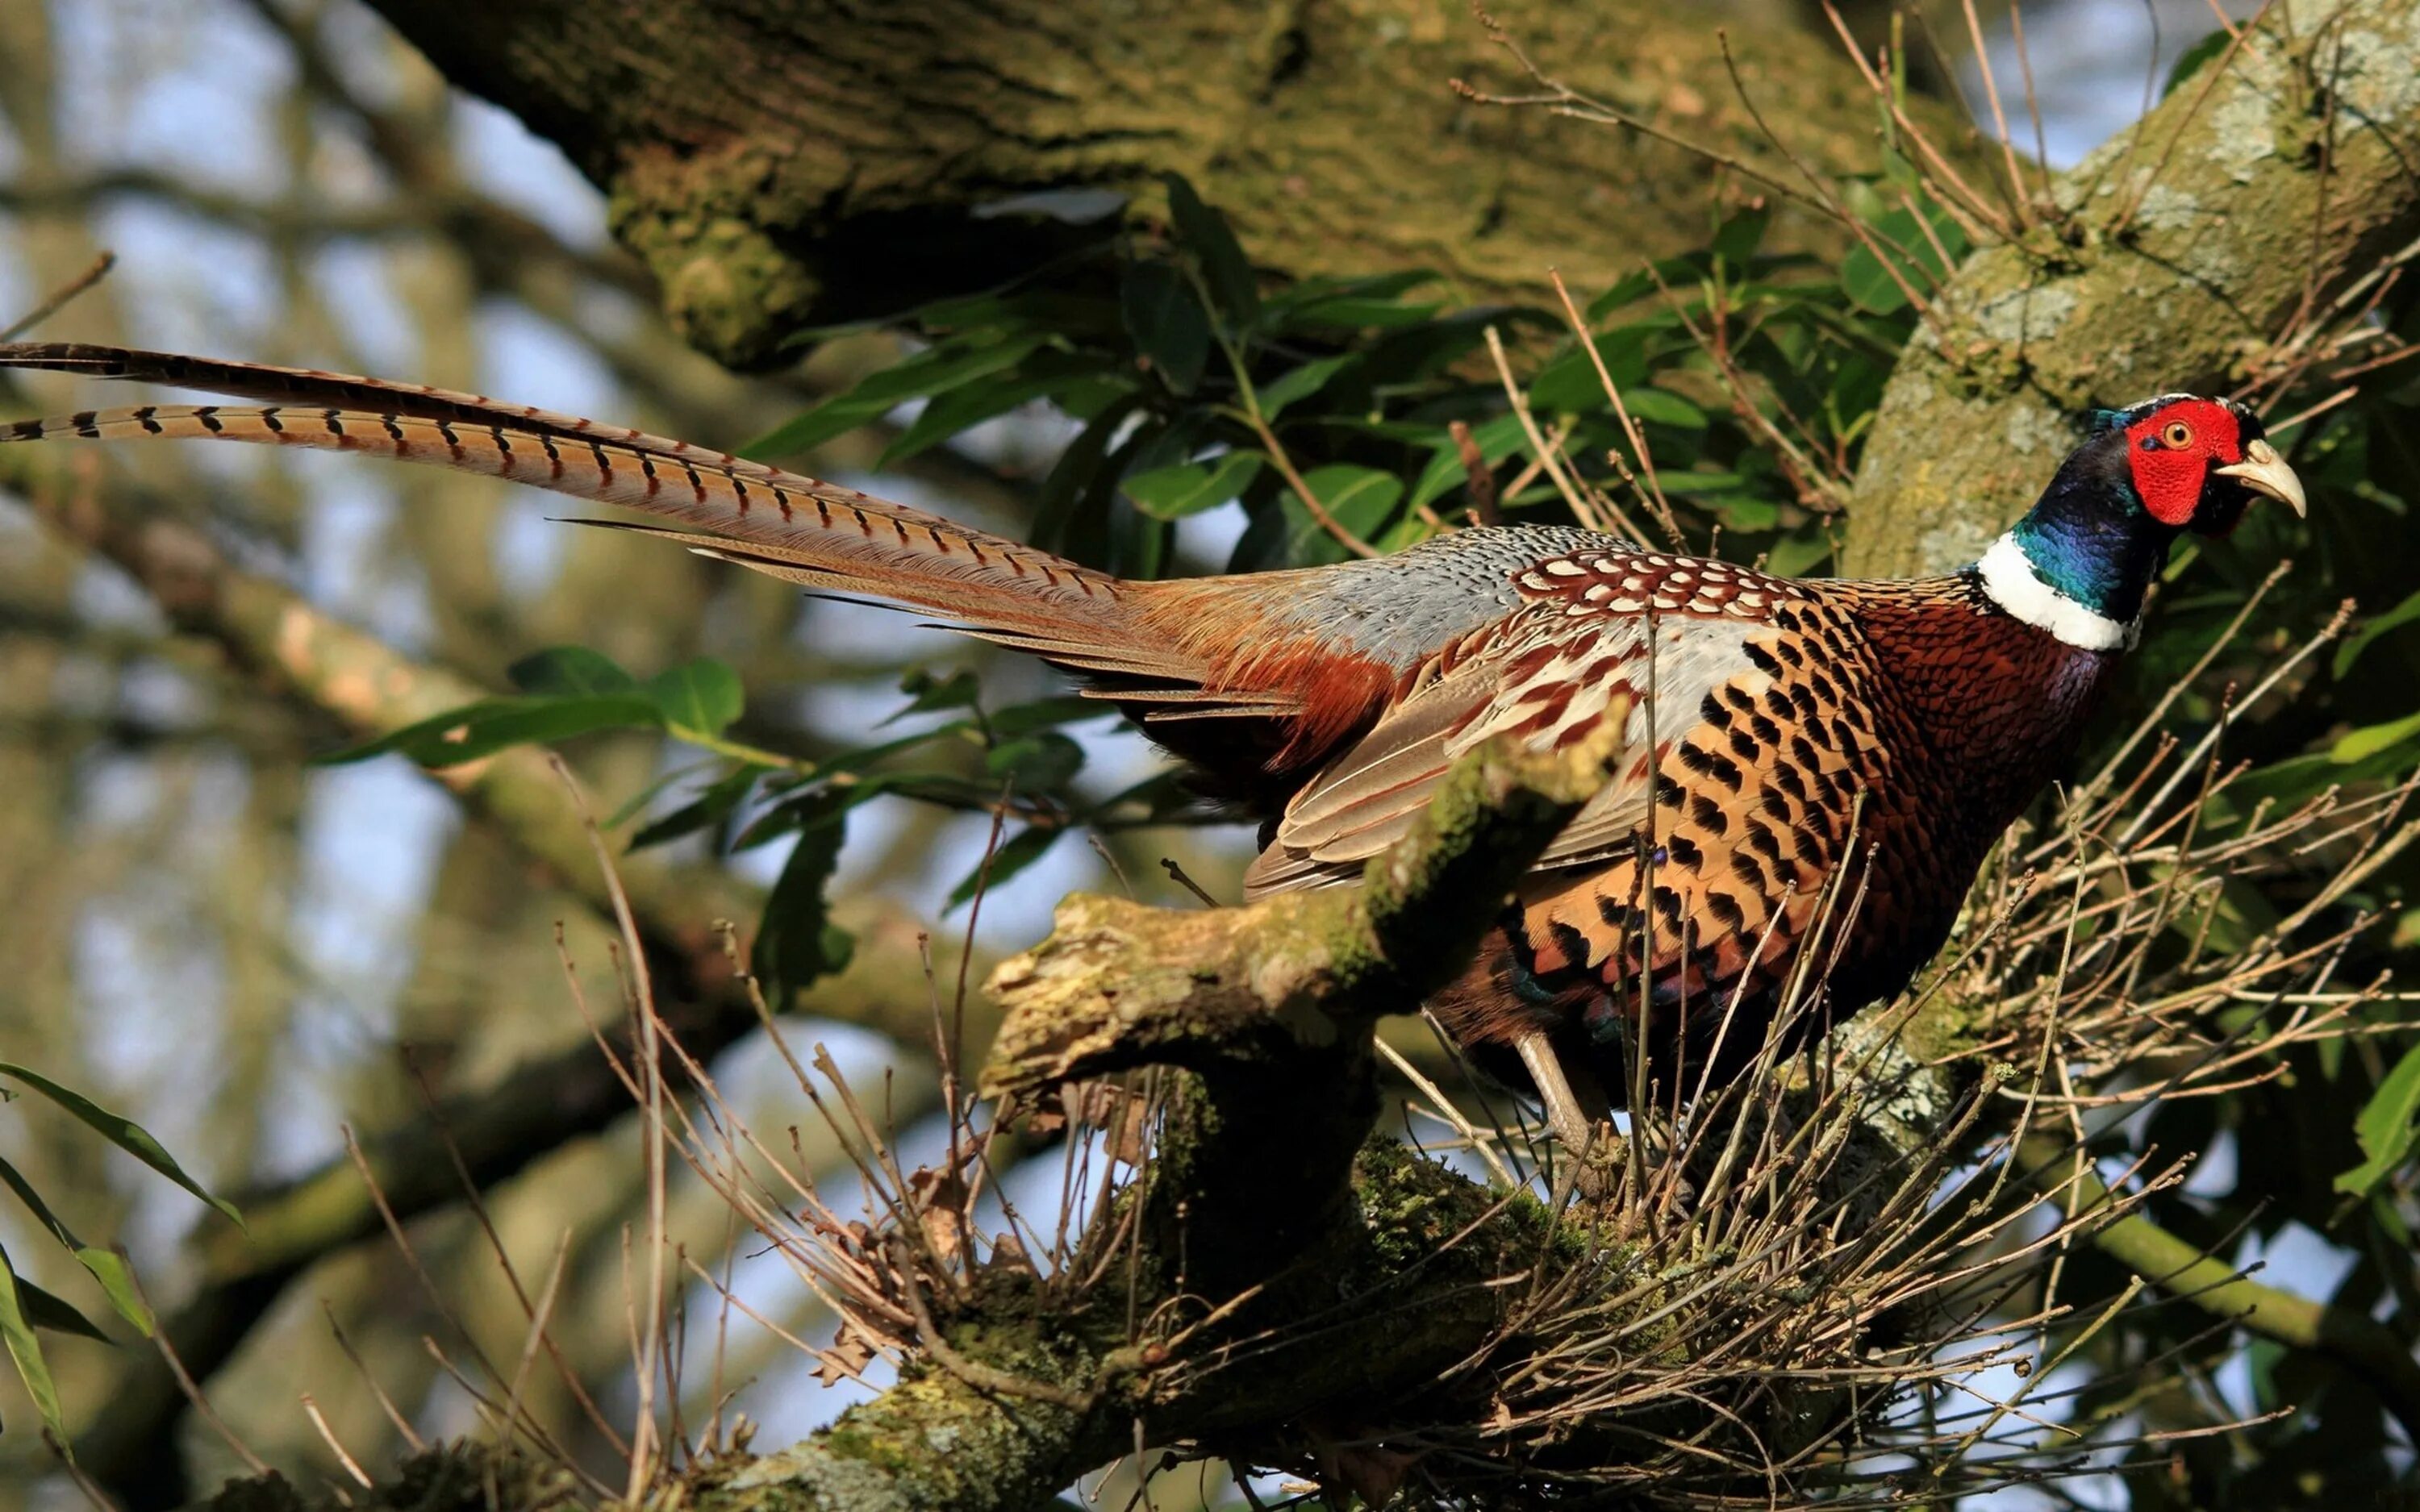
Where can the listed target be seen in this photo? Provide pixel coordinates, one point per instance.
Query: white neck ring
(2011, 581)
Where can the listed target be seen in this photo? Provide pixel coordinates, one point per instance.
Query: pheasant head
(2081, 559)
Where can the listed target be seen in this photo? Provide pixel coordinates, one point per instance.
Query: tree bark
(785, 164)
(2232, 213)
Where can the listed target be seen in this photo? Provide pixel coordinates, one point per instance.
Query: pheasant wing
(1596, 626)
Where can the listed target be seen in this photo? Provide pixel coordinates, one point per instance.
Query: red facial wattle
(2171, 451)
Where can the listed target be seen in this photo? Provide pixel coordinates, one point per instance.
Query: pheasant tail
(831, 538)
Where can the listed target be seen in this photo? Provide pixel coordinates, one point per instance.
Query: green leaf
(1743, 513)
(701, 697)
(2386, 1126)
(1205, 233)
(1190, 488)
(927, 693)
(47, 1310)
(1798, 554)
(1015, 855)
(1631, 288)
(934, 371)
(570, 670)
(1867, 279)
(1039, 763)
(1360, 499)
(1320, 287)
(965, 407)
(1497, 440)
(1084, 475)
(107, 1266)
(1736, 239)
(2189, 62)
(118, 1130)
(836, 416)
(1047, 714)
(1649, 404)
(1300, 383)
(1691, 481)
(2394, 619)
(1167, 322)
(637, 803)
(17, 1330)
(1361, 313)
(2372, 740)
(489, 725)
(796, 940)
(1570, 382)
(717, 802)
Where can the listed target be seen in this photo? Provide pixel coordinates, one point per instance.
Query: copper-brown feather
(1182, 655)
(1835, 794)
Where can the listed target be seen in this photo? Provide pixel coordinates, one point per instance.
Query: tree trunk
(786, 163)
(780, 167)
(2200, 240)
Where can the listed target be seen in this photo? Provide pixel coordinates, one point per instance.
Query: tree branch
(2353, 1340)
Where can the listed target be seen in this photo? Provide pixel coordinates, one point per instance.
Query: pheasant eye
(2177, 436)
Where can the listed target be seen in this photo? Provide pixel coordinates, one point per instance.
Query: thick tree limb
(1256, 1189)
(1119, 985)
(1316, 971)
(2243, 204)
(780, 166)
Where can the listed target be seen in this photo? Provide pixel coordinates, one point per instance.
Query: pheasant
(1784, 737)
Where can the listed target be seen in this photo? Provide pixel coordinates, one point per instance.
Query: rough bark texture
(780, 164)
(2198, 236)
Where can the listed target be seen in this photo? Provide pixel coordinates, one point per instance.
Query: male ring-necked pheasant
(1775, 725)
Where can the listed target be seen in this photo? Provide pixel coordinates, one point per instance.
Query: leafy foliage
(24, 1307)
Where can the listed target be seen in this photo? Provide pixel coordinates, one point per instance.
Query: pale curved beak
(2264, 472)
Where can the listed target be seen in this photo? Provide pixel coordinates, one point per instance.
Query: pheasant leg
(1576, 1110)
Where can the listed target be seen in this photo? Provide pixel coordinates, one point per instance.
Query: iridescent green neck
(2080, 561)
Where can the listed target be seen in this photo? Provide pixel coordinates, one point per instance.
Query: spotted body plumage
(1781, 736)
(1880, 733)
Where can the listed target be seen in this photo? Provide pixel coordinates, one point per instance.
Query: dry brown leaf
(846, 1359)
(938, 1199)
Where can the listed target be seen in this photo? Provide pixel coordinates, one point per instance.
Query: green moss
(1411, 1207)
(707, 229)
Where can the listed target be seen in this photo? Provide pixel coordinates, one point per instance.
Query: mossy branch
(1118, 986)
(2352, 1339)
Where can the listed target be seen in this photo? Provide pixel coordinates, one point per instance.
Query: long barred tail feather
(311, 388)
(831, 538)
